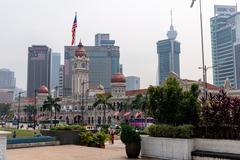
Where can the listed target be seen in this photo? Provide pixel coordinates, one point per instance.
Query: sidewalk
(70, 152)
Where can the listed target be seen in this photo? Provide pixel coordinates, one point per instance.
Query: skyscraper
(168, 51)
(7, 86)
(132, 83)
(225, 33)
(55, 64)
(104, 61)
(7, 79)
(60, 83)
(39, 68)
(103, 39)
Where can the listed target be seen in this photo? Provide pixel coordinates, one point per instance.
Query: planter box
(166, 148)
(217, 145)
(65, 137)
(181, 149)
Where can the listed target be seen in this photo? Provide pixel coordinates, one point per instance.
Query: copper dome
(43, 89)
(118, 78)
(80, 51)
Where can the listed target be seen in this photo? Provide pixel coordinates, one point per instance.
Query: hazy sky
(136, 25)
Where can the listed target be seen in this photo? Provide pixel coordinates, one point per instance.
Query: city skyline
(133, 25)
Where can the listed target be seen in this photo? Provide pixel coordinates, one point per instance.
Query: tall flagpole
(75, 31)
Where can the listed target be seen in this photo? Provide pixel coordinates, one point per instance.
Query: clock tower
(80, 74)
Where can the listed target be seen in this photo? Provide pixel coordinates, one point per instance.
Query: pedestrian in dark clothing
(14, 134)
(112, 136)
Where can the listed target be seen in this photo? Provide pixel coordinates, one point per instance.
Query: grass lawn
(20, 132)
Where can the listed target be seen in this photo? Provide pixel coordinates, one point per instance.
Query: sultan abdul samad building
(79, 107)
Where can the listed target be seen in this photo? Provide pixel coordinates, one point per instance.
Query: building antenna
(171, 17)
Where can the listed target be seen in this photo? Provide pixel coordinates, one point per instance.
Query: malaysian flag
(74, 29)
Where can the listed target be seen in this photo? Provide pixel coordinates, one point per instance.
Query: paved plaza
(69, 152)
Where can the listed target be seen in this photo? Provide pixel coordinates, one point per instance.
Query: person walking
(14, 134)
(112, 135)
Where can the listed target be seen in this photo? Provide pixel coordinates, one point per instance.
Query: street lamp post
(19, 101)
(205, 70)
(202, 45)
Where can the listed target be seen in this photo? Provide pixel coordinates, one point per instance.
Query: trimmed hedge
(164, 130)
(79, 128)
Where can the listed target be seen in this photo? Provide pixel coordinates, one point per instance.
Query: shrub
(86, 138)
(104, 128)
(129, 135)
(100, 138)
(163, 130)
(69, 127)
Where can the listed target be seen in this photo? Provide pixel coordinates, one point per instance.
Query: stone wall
(182, 149)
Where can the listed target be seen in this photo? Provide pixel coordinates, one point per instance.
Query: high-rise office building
(55, 64)
(39, 68)
(225, 33)
(103, 39)
(7, 79)
(60, 83)
(104, 61)
(7, 86)
(132, 83)
(168, 51)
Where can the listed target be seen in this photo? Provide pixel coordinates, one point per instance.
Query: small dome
(43, 89)
(118, 78)
(80, 51)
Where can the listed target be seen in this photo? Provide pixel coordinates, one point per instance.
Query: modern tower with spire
(168, 51)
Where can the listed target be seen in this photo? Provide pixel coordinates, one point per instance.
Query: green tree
(189, 111)
(50, 104)
(141, 102)
(104, 101)
(4, 108)
(169, 104)
(30, 111)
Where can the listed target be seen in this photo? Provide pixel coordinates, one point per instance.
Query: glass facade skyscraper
(168, 51)
(225, 32)
(55, 65)
(7, 79)
(39, 68)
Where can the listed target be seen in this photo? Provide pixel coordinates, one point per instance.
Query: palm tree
(50, 104)
(104, 101)
(141, 103)
(30, 110)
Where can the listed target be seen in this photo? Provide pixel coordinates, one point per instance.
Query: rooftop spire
(172, 34)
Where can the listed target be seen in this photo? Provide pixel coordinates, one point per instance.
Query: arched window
(109, 120)
(99, 120)
(92, 121)
(89, 120)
